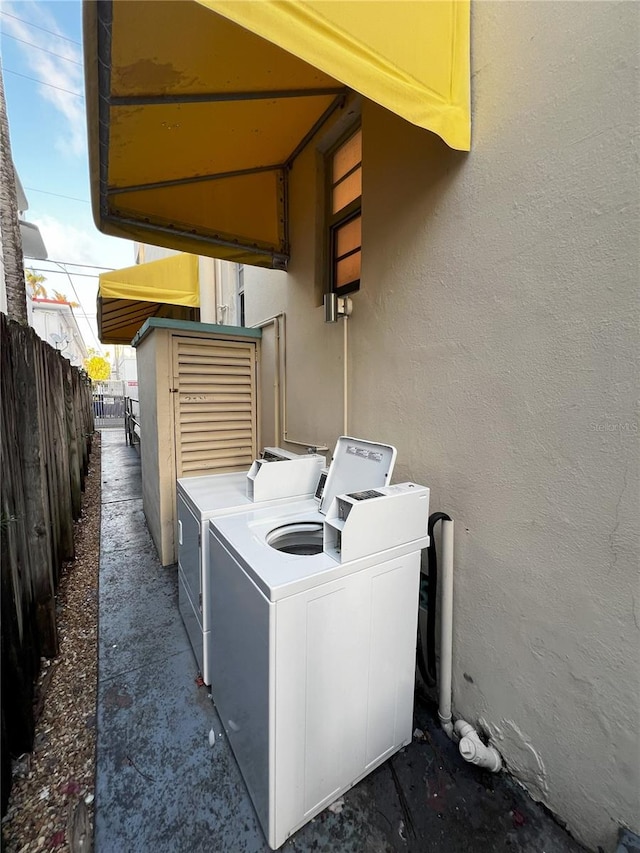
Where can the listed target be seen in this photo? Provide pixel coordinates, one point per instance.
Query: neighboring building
(55, 323)
(220, 285)
(123, 365)
(32, 242)
(167, 285)
(493, 340)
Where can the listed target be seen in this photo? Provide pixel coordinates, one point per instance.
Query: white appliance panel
(294, 681)
(326, 743)
(214, 492)
(192, 621)
(189, 545)
(315, 652)
(391, 643)
(241, 671)
(367, 522)
(320, 692)
(198, 500)
(341, 706)
(279, 574)
(357, 464)
(278, 479)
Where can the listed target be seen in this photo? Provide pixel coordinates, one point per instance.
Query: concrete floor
(161, 786)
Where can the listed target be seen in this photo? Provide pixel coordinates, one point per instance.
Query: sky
(41, 49)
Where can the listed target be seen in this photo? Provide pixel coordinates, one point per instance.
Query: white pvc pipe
(276, 382)
(275, 322)
(280, 382)
(345, 379)
(472, 749)
(446, 627)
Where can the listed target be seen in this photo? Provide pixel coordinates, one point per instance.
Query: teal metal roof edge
(192, 326)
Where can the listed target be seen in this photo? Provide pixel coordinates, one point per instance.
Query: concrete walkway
(161, 786)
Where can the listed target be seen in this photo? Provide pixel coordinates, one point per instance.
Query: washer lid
(356, 465)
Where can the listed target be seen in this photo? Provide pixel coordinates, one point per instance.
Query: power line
(84, 266)
(37, 27)
(78, 300)
(59, 272)
(58, 195)
(43, 49)
(42, 83)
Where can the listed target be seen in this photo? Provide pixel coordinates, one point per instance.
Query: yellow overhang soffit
(197, 110)
(127, 297)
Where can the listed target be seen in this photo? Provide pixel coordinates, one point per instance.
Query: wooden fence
(45, 441)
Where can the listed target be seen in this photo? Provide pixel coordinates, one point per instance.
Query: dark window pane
(348, 269)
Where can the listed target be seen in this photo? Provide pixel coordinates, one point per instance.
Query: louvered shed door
(215, 405)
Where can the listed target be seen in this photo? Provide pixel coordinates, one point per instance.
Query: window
(344, 217)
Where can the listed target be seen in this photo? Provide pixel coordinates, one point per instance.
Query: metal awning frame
(288, 163)
(279, 260)
(199, 190)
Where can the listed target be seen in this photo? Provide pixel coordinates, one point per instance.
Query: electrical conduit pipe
(472, 749)
(278, 321)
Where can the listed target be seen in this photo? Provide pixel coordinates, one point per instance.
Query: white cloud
(61, 71)
(70, 244)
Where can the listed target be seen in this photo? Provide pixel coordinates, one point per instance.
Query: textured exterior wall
(507, 365)
(494, 342)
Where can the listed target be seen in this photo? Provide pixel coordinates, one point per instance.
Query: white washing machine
(277, 477)
(314, 671)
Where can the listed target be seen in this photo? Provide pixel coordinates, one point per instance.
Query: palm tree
(35, 283)
(9, 227)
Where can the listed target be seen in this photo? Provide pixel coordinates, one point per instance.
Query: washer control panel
(373, 520)
(274, 477)
(365, 496)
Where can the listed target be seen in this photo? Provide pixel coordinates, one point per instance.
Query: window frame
(335, 221)
(240, 294)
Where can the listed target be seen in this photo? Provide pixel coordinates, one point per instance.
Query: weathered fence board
(50, 465)
(72, 440)
(30, 440)
(20, 644)
(63, 478)
(45, 441)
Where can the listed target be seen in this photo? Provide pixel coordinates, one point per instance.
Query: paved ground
(109, 423)
(162, 787)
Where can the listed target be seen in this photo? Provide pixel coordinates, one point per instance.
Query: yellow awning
(127, 297)
(197, 110)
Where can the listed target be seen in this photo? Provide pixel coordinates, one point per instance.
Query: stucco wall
(494, 342)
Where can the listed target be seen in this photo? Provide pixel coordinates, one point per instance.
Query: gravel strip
(53, 787)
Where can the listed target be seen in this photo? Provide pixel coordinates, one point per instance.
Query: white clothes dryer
(278, 476)
(314, 672)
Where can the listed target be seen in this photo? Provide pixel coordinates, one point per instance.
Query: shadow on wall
(434, 170)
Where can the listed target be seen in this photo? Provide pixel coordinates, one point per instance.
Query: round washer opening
(303, 538)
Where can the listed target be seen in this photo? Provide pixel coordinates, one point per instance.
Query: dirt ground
(51, 804)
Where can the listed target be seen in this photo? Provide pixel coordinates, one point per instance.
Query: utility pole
(9, 226)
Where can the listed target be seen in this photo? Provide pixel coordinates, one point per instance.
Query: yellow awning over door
(128, 297)
(197, 110)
